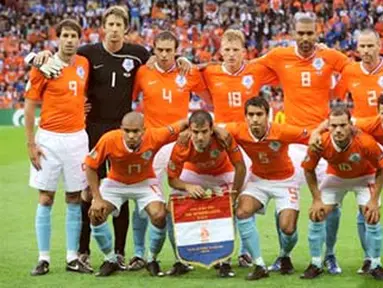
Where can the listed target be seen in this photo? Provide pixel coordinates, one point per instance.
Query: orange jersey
(230, 91)
(306, 82)
(127, 166)
(360, 158)
(372, 126)
(63, 98)
(166, 94)
(213, 161)
(365, 88)
(269, 155)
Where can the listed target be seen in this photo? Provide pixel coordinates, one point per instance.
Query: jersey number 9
(73, 87)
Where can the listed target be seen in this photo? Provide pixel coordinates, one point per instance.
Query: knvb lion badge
(203, 229)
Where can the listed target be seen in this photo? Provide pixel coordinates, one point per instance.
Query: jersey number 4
(167, 95)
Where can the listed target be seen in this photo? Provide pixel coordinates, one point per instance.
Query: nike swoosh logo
(152, 82)
(355, 84)
(98, 66)
(75, 267)
(288, 66)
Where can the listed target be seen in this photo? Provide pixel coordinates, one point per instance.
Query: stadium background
(29, 26)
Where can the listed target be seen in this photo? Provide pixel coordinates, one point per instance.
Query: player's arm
(198, 86)
(178, 157)
(341, 87)
(236, 160)
(309, 165)
(168, 134)
(268, 60)
(48, 65)
(137, 89)
(338, 60)
(315, 141)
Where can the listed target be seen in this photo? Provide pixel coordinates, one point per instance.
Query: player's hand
(184, 137)
(317, 210)
(195, 191)
(42, 58)
(151, 61)
(184, 65)
(321, 46)
(52, 68)
(315, 142)
(87, 108)
(35, 153)
(98, 210)
(223, 137)
(372, 212)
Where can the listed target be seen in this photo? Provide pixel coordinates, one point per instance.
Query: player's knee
(46, 198)
(288, 228)
(158, 218)
(242, 213)
(73, 197)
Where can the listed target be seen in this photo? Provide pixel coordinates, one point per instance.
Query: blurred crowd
(29, 26)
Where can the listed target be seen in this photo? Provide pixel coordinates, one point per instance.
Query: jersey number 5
(235, 99)
(73, 87)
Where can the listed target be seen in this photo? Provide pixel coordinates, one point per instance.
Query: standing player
(113, 67)
(305, 74)
(60, 144)
(231, 84)
(272, 176)
(355, 164)
(203, 163)
(166, 93)
(130, 151)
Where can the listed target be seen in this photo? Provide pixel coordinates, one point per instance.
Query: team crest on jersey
(318, 63)
(128, 65)
(275, 145)
(354, 157)
(93, 154)
(180, 81)
(80, 72)
(247, 81)
(380, 81)
(214, 153)
(147, 155)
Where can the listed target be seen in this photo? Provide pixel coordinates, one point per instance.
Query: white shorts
(285, 192)
(215, 183)
(333, 189)
(64, 154)
(297, 154)
(160, 163)
(143, 193)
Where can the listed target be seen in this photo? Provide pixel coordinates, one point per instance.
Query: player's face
(305, 36)
(114, 29)
(165, 51)
(232, 53)
(69, 41)
(201, 135)
(256, 118)
(340, 128)
(132, 134)
(368, 48)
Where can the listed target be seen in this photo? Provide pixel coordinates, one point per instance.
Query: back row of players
(111, 74)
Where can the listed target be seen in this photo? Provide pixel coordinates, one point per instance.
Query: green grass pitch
(18, 251)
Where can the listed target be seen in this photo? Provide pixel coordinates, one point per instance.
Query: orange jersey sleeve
(372, 126)
(306, 82)
(62, 98)
(164, 135)
(374, 153)
(311, 160)
(234, 152)
(179, 156)
(197, 83)
(100, 152)
(291, 134)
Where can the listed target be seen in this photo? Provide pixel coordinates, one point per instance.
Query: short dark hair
(166, 35)
(339, 111)
(68, 23)
(380, 100)
(258, 101)
(200, 117)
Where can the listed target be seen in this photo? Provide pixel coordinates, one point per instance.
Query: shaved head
(133, 118)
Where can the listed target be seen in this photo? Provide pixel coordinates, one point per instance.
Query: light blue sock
(361, 222)
(170, 228)
(276, 216)
(288, 242)
(157, 238)
(317, 233)
(374, 242)
(43, 230)
(242, 248)
(332, 225)
(73, 229)
(140, 223)
(103, 237)
(249, 235)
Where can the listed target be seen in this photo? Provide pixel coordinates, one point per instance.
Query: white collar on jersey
(300, 56)
(256, 140)
(64, 64)
(375, 70)
(159, 69)
(235, 73)
(337, 148)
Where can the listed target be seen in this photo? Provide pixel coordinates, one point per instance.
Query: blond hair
(118, 11)
(234, 35)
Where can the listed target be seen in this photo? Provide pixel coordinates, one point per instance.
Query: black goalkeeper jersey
(111, 80)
